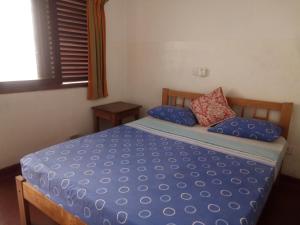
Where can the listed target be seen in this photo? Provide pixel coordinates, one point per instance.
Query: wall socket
(201, 72)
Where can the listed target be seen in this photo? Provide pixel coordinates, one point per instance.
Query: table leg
(96, 123)
(136, 116)
(116, 121)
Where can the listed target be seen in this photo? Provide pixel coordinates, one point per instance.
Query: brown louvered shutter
(60, 28)
(71, 37)
(47, 53)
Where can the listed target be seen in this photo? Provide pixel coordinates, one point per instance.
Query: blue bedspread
(129, 176)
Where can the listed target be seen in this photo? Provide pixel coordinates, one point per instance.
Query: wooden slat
(71, 16)
(68, 49)
(63, 9)
(72, 26)
(23, 205)
(268, 114)
(74, 79)
(71, 31)
(73, 40)
(254, 113)
(242, 111)
(254, 103)
(180, 94)
(65, 72)
(173, 100)
(165, 96)
(73, 35)
(72, 7)
(73, 45)
(74, 63)
(74, 68)
(73, 59)
(64, 19)
(67, 53)
(75, 2)
(285, 119)
(183, 102)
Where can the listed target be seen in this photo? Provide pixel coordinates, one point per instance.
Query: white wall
(251, 47)
(34, 120)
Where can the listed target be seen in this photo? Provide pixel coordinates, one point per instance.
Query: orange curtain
(97, 85)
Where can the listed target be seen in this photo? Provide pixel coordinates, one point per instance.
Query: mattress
(139, 174)
(268, 152)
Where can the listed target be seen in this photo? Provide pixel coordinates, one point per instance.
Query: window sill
(36, 85)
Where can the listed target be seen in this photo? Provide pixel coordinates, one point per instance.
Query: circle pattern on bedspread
(167, 181)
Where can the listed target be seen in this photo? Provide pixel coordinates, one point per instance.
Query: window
(44, 45)
(17, 42)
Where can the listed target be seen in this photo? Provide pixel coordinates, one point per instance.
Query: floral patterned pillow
(212, 108)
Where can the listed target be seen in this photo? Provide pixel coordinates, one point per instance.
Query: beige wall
(31, 121)
(251, 47)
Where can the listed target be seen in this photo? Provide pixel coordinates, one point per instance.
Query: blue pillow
(183, 116)
(248, 128)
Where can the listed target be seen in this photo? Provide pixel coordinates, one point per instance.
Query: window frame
(8, 87)
(55, 82)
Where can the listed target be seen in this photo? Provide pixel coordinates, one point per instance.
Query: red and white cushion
(212, 108)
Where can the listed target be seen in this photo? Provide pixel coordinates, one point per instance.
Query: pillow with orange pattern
(212, 108)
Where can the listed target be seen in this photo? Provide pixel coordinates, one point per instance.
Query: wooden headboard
(180, 98)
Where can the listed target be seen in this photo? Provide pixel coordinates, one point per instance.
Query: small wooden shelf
(114, 112)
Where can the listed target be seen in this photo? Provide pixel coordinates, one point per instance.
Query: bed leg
(23, 204)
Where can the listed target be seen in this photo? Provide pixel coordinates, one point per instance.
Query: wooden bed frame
(27, 194)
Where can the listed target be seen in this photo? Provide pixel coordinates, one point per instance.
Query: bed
(156, 172)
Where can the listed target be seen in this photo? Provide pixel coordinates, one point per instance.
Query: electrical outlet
(201, 72)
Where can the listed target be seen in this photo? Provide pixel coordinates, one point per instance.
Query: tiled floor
(282, 207)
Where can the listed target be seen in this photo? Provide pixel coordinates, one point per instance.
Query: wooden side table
(115, 113)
